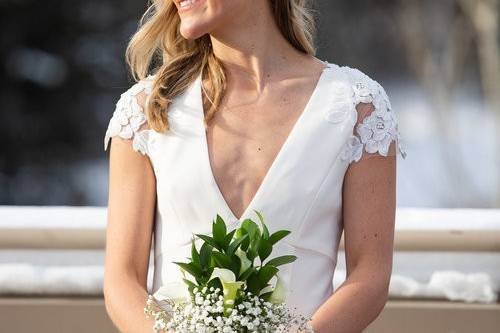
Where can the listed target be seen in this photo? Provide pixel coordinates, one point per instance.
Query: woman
(239, 115)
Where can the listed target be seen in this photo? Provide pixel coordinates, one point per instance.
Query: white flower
(194, 318)
(362, 93)
(245, 262)
(353, 149)
(128, 116)
(280, 291)
(376, 132)
(139, 142)
(175, 291)
(230, 286)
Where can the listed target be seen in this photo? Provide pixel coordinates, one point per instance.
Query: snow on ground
(453, 275)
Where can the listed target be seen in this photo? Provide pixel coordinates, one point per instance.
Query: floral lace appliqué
(376, 131)
(129, 116)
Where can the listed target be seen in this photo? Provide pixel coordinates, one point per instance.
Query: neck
(252, 48)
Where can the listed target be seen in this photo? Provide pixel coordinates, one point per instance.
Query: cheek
(231, 11)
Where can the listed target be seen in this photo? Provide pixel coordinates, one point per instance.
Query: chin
(200, 17)
(191, 29)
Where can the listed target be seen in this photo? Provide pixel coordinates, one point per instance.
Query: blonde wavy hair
(158, 48)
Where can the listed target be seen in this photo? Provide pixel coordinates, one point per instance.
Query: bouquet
(223, 290)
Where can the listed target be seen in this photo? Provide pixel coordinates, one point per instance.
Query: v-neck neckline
(206, 165)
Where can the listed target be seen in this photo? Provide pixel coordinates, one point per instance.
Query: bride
(232, 113)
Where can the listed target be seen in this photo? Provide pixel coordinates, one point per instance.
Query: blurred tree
(437, 54)
(484, 16)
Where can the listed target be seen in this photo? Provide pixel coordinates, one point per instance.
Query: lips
(186, 5)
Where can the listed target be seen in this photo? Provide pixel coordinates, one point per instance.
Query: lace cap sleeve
(377, 124)
(129, 120)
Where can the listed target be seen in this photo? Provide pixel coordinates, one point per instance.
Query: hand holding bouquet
(224, 291)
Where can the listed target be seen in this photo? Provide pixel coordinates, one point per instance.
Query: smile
(186, 5)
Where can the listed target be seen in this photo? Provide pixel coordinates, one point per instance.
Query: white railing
(65, 229)
(417, 229)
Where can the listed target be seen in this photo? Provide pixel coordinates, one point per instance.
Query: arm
(369, 203)
(131, 207)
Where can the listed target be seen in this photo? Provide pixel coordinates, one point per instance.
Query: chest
(246, 135)
(263, 156)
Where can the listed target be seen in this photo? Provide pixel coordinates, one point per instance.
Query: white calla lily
(245, 262)
(280, 291)
(224, 274)
(230, 286)
(176, 291)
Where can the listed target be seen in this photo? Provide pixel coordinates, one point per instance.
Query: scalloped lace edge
(129, 116)
(377, 130)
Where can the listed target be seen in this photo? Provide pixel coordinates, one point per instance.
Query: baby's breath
(206, 314)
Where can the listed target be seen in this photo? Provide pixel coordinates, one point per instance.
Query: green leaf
(228, 238)
(210, 241)
(265, 248)
(222, 260)
(282, 260)
(266, 296)
(266, 272)
(235, 264)
(202, 280)
(244, 276)
(265, 231)
(234, 245)
(216, 283)
(205, 254)
(190, 268)
(251, 227)
(195, 257)
(219, 230)
(253, 248)
(240, 232)
(275, 237)
(253, 283)
(190, 285)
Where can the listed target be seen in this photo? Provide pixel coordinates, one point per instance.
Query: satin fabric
(301, 192)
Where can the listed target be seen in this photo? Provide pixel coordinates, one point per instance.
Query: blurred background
(62, 68)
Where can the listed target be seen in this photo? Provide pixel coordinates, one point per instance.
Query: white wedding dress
(301, 192)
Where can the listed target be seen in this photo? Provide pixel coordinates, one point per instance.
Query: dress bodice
(301, 192)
